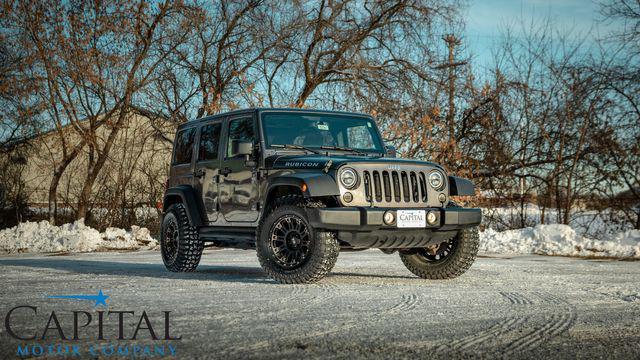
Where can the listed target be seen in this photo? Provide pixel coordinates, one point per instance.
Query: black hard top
(257, 110)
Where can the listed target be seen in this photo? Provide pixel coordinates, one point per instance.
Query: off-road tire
(189, 247)
(324, 245)
(454, 265)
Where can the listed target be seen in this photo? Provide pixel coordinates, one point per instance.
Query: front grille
(395, 186)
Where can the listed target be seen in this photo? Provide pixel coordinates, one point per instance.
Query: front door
(239, 183)
(205, 174)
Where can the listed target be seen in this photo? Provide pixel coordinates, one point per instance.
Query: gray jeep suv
(299, 186)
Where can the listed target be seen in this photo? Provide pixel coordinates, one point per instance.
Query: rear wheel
(289, 249)
(446, 261)
(180, 244)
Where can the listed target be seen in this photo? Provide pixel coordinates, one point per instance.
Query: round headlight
(349, 178)
(436, 180)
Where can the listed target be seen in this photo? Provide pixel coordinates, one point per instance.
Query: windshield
(321, 131)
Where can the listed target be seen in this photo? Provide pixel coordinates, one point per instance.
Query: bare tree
(351, 45)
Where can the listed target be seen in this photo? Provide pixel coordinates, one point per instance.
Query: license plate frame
(411, 219)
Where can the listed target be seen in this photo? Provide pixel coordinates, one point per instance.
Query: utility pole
(452, 41)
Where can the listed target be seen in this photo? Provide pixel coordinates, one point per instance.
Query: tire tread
(461, 260)
(190, 247)
(317, 267)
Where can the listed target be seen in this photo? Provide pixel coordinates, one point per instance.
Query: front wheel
(289, 249)
(448, 260)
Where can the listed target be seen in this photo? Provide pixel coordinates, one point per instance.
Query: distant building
(134, 172)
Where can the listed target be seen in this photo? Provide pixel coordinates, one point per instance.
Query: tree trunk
(304, 94)
(53, 197)
(83, 200)
(94, 170)
(55, 180)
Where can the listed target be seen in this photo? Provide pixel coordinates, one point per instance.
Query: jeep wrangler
(299, 186)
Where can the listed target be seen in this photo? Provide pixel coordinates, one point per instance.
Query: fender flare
(461, 187)
(191, 203)
(317, 184)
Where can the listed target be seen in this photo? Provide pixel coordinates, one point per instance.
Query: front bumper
(361, 227)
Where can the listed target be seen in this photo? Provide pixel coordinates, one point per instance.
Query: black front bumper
(361, 227)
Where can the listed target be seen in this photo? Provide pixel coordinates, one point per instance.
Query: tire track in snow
(560, 321)
(314, 293)
(516, 298)
(408, 302)
(557, 324)
(502, 328)
(523, 333)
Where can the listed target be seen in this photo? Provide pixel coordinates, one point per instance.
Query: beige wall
(134, 172)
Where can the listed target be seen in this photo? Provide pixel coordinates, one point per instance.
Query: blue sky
(487, 18)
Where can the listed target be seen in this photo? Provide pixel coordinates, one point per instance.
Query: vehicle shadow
(244, 274)
(364, 275)
(204, 272)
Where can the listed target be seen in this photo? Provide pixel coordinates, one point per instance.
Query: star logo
(100, 299)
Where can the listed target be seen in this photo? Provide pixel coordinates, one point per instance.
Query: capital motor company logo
(101, 332)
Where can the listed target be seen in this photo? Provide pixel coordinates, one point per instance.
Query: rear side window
(239, 130)
(209, 142)
(184, 146)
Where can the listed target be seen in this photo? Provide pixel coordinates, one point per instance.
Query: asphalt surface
(370, 306)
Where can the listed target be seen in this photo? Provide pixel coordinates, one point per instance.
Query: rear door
(239, 183)
(181, 163)
(206, 168)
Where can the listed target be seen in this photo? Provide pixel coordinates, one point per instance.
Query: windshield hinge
(327, 166)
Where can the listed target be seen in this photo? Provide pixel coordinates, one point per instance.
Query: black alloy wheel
(290, 242)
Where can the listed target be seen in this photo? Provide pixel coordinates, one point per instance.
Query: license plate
(411, 218)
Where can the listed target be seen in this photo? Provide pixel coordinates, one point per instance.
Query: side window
(209, 141)
(359, 137)
(239, 130)
(184, 146)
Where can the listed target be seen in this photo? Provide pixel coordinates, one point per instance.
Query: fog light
(347, 197)
(442, 198)
(389, 218)
(431, 217)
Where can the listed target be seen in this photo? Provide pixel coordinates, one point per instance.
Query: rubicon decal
(301, 164)
(102, 332)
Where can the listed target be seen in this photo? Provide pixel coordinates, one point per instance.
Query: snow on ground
(559, 239)
(42, 237)
(370, 306)
(579, 239)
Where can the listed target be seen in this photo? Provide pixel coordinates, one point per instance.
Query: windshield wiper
(292, 146)
(343, 148)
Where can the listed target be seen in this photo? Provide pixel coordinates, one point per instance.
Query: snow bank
(593, 224)
(42, 237)
(559, 240)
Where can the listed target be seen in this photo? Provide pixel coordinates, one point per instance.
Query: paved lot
(370, 306)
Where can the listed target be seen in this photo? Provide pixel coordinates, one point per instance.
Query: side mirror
(240, 147)
(391, 151)
(243, 148)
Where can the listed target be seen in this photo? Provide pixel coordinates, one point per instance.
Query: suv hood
(306, 161)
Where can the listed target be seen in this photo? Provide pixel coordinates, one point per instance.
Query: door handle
(199, 173)
(226, 171)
